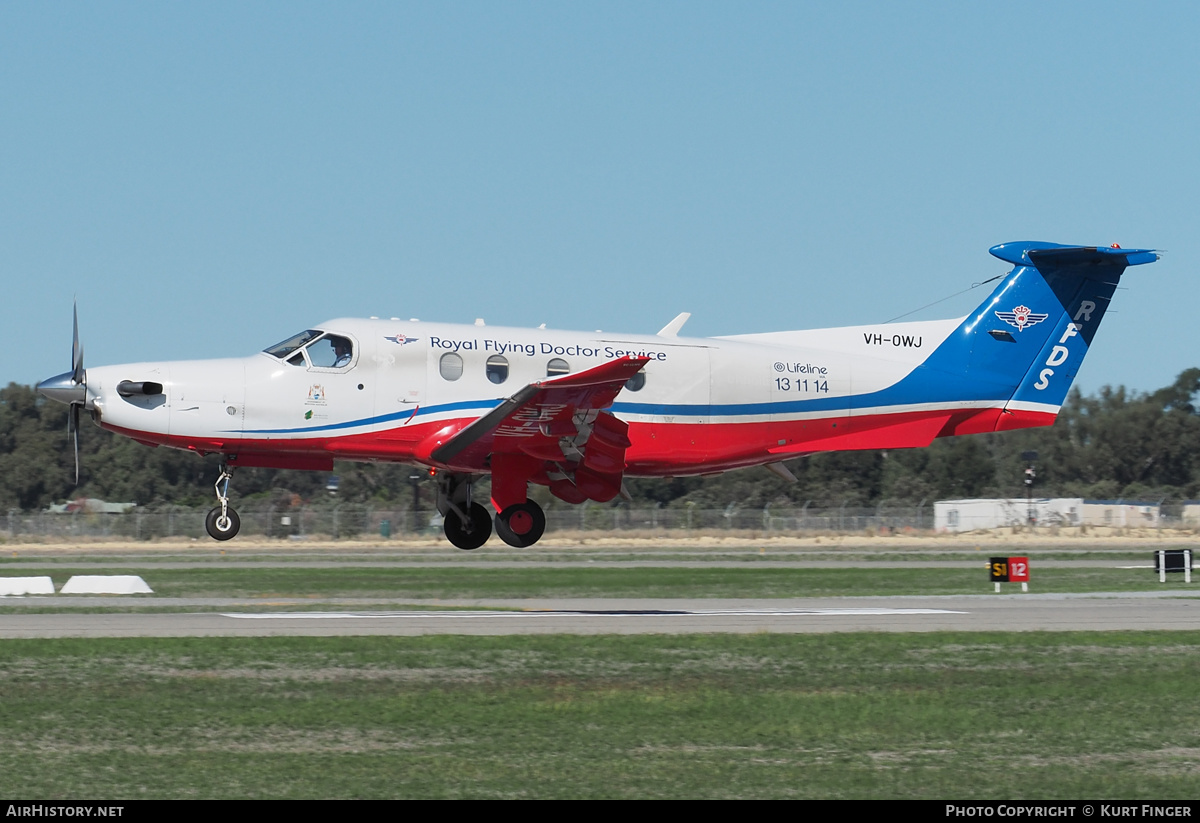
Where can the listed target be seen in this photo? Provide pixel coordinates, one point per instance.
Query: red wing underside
(534, 419)
(553, 432)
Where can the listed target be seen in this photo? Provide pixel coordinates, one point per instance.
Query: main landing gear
(521, 524)
(468, 525)
(223, 522)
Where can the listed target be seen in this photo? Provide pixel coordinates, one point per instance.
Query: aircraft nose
(63, 388)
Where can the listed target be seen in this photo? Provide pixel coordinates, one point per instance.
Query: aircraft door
(313, 390)
(679, 384)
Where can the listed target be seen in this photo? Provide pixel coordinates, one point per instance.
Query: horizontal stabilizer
(1045, 256)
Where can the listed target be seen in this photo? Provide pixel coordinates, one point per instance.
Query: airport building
(995, 513)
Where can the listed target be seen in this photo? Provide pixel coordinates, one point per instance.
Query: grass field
(1095, 715)
(1100, 715)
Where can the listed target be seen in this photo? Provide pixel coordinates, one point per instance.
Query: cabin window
(297, 359)
(331, 352)
(557, 366)
(636, 382)
(451, 366)
(497, 368)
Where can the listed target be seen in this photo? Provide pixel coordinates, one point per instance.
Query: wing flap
(539, 417)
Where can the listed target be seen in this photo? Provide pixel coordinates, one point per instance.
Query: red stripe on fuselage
(657, 449)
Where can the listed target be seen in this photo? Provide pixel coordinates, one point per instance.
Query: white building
(1121, 513)
(996, 513)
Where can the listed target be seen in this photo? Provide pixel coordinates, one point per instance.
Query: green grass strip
(938, 715)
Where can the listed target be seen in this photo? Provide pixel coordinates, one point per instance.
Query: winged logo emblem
(1021, 317)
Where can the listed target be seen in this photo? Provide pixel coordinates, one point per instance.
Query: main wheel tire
(521, 524)
(470, 535)
(222, 528)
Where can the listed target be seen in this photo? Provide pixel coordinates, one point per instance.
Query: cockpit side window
(331, 352)
(282, 350)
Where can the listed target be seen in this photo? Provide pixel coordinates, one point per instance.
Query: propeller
(70, 388)
(77, 373)
(79, 378)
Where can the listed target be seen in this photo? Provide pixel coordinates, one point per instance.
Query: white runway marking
(578, 613)
(106, 584)
(20, 586)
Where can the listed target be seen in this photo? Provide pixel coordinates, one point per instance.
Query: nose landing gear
(223, 522)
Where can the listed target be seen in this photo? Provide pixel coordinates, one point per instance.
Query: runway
(1172, 610)
(347, 613)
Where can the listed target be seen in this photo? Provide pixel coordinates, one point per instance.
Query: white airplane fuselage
(706, 404)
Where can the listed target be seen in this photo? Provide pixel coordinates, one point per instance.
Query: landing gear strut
(467, 524)
(521, 524)
(223, 522)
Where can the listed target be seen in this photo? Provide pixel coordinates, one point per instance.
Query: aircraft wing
(552, 423)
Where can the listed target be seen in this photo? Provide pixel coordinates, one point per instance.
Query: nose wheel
(521, 524)
(222, 523)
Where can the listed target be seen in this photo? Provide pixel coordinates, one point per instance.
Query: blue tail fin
(1019, 351)
(1032, 333)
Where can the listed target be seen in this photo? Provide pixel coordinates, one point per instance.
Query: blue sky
(209, 178)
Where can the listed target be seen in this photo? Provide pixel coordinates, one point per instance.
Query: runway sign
(1009, 570)
(1172, 561)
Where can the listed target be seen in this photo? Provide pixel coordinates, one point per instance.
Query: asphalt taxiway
(1175, 609)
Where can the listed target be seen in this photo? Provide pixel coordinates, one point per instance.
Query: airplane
(579, 412)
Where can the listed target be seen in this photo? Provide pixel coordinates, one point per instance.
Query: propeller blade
(73, 425)
(76, 349)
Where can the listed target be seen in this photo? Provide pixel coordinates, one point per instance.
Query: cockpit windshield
(294, 342)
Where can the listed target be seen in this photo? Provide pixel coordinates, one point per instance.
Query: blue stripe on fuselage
(403, 414)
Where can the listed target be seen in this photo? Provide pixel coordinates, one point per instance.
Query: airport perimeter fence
(350, 521)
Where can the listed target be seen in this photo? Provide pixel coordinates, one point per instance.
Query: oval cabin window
(497, 368)
(450, 366)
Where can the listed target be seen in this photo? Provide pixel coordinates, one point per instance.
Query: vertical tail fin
(1010, 363)
(1028, 339)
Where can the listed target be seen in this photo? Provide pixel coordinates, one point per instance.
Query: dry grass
(635, 540)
